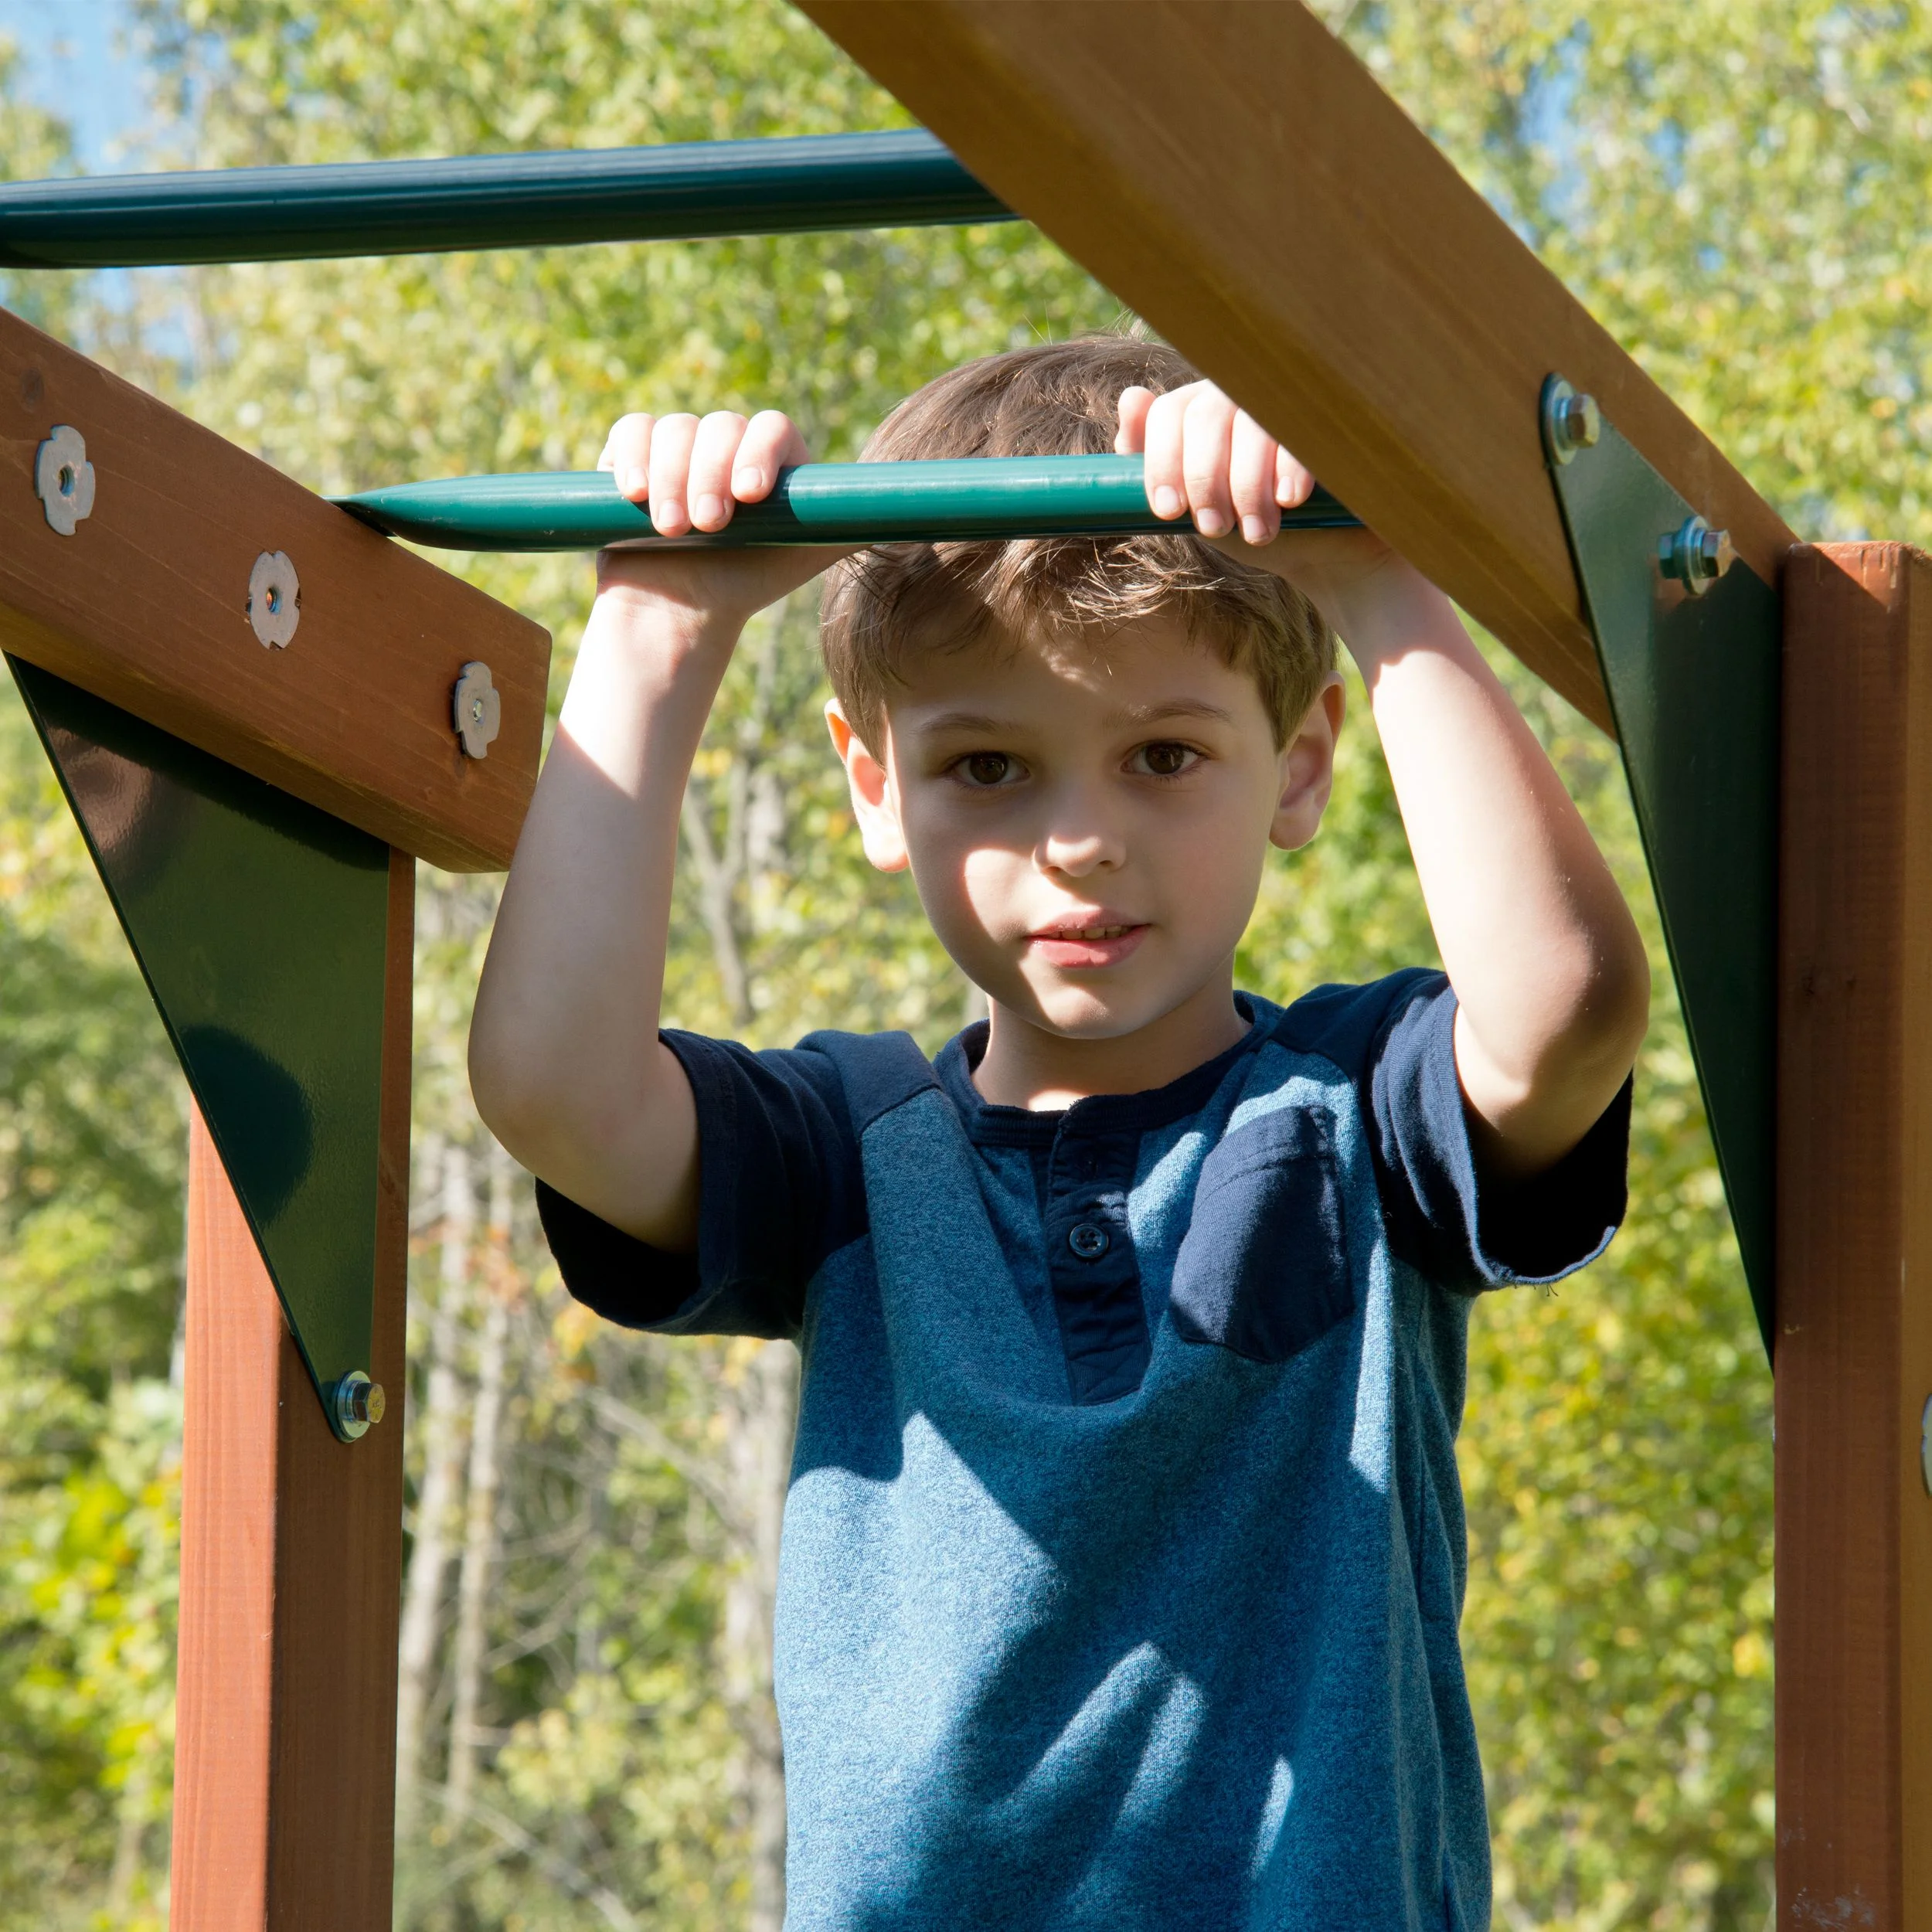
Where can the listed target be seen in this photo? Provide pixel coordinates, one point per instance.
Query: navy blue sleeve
(779, 1188)
(1397, 1037)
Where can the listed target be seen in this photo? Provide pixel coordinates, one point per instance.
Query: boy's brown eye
(1165, 761)
(989, 767)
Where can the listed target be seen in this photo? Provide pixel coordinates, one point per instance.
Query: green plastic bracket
(260, 925)
(1692, 663)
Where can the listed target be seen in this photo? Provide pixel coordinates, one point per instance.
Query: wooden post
(1855, 1244)
(290, 1567)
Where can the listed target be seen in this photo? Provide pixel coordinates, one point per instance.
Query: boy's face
(1087, 826)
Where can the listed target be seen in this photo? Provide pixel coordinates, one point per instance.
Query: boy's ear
(1307, 769)
(873, 802)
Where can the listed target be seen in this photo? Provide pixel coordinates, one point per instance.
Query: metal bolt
(359, 1404)
(1572, 422)
(63, 479)
(1695, 555)
(476, 708)
(274, 598)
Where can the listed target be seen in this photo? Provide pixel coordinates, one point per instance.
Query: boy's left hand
(1206, 456)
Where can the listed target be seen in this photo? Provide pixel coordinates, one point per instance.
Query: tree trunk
(765, 1398)
(479, 1532)
(440, 1423)
(760, 1386)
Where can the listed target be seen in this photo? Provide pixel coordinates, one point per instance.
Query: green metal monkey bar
(901, 179)
(828, 503)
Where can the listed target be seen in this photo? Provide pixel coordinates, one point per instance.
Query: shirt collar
(1100, 1113)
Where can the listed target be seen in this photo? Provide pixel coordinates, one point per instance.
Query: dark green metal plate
(1694, 687)
(260, 924)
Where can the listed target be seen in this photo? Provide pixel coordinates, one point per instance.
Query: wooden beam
(1236, 176)
(1854, 1244)
(290, 1568)
(145, 604)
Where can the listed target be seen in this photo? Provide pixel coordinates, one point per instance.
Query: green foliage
(91, 1133)
(1736, 189)
(33, 144)
(91, 1177)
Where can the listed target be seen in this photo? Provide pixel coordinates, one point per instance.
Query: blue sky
(78, 63)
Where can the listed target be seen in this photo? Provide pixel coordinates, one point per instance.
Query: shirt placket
(1091, 1260)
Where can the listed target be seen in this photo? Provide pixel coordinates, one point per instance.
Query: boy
(1123, 1553)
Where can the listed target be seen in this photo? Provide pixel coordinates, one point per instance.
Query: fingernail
(1210, 522)
(745, 481)
(1167, 502)
(708, 509)
(665, 513)
(635, 482)
(1254, 530)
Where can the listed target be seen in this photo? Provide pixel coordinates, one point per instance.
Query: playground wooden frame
(1231, 171)
(146, 605)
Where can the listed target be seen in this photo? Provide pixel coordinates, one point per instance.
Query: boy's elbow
(1574, 1044)
(514, 1098)
(1616, 1013)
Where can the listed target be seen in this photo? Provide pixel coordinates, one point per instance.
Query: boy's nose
(1080, 852)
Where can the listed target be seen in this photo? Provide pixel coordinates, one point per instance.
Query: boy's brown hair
(1058, 399)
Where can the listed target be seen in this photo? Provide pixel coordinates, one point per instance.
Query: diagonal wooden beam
(1231, 173)
(145, 602)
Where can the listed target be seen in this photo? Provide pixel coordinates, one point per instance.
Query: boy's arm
(565, 1061)
(1552, 983)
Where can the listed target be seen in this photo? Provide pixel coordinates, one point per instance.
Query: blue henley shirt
(1123, 1553)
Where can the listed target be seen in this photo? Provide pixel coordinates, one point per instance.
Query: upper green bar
(898, 179)
(831, 503)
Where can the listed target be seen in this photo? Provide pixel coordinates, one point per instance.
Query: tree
(91, 1126)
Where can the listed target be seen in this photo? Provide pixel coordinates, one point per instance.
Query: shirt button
(1088, 1241)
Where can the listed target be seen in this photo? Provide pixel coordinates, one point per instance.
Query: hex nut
(274, 598)
(359, 1404)
(1571, 421)
(1583, 422)
(1695, 555)
(63, 479)
(476, 709)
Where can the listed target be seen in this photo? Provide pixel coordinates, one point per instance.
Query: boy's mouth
(1095, 944)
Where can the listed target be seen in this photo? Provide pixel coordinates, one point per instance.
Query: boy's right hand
(692, 473)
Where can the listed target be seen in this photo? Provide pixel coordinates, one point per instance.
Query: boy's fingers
(1293, 483)
(1251, 479)
(714, 453)
(1131, 435)
(671, 444)
(627, 450)
(1163, 436)
(1209, 448)
(771, 442)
